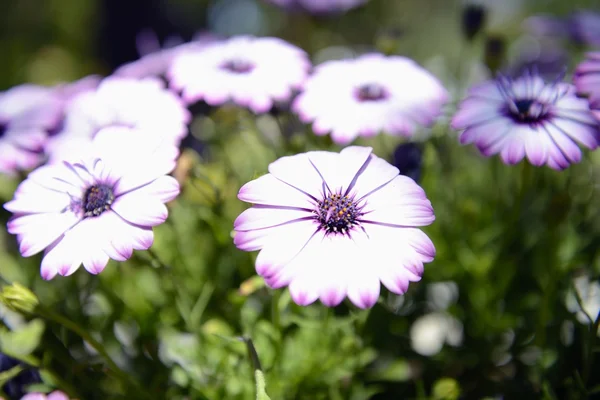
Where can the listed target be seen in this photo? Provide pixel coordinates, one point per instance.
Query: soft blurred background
(497, 315)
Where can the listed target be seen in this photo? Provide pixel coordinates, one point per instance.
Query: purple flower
(544, 56)
(154, 60)
(587, 77)
(144, 105)
(367, 95)
(56, 395)
(546, 25)
(527, 117)
(27, 114)
(319, 6)
(102, 206)
(70, 90)
(581, 27)
(252, 72)
(584, 28)
(332, 225)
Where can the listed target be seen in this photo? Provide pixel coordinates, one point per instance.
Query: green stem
(73, 327)
(327, 319)
(275, 315)
(590, 348)
(276, 321)
(157, 259)
(252, 355)
(197, 173)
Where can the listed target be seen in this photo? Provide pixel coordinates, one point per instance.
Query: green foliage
(23, 341)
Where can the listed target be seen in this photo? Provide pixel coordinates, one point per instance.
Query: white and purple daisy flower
(252, 72)
(56, 395)
(319, 6)
(332, 225)
(527, 117)
(144, 105)
(581, 27)
(155, 60)
(369, 95)
(587, 80)
(102, 206)
(69, 90)
(27, 114)
(584, 27)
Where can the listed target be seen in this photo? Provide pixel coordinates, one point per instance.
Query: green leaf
(446, 389)
(24, 341)
(398, 371)
(10, 374)
(594, 390)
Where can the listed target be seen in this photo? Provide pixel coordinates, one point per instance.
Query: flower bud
(408, 158)
(18, 298)
(495, 50)
(473, 20)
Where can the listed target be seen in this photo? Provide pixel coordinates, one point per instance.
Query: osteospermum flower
(155, 60)
(587, 79)
(70, 90)
(332, 225)
(584, 27)
(367, 95)
(27, 114)
(143, 105)
(251, 72)
(102, 206)
(56, 395)
(319, 6)
(581, 27)
(527, 117)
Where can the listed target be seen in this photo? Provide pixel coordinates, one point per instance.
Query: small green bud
(18, 298)
(446, 389)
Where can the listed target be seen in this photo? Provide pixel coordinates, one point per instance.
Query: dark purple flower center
(337, 213)
(3, 127)
(526, 111)
(238, 66)
(523, 106)
(97, 199)
(371, 92)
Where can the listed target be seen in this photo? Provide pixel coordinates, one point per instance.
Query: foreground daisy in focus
(369, 95)
(252, 72)
(527, 117)
(332, 225)
(102, 206)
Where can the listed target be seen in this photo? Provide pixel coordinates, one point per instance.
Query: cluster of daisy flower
(318, 219)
